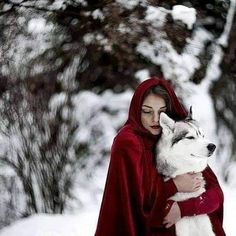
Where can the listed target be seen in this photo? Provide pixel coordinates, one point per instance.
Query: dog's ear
(166, 123)
(190, 114)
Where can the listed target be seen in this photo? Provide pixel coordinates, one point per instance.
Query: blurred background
(68, 69)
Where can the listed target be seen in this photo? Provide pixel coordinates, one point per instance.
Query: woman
(135, 196)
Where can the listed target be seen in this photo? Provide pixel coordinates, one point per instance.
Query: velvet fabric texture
(135, 194)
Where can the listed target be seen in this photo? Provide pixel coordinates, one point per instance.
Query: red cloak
(135, 194)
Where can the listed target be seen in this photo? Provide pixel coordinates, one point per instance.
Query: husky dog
(182, 148)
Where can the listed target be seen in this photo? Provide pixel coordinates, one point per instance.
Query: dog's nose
(211, 147)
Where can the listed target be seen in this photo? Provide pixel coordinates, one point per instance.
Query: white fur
(189, 154)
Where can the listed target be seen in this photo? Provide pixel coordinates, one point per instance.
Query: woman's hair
(160, 91)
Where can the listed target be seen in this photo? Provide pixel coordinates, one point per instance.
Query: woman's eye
(146, 112)
(190, 137)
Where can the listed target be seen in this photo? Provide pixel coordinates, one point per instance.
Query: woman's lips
(155, 127)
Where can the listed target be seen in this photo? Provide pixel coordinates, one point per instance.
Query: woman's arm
(182, 183)
(189, 182)
(206, 203)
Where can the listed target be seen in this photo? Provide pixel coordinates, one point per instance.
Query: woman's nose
(155, 118)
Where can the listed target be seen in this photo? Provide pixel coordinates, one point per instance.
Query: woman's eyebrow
(163, 107)
(151, 107)
(147, 106)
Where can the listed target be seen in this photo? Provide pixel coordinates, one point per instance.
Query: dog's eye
(190, 137)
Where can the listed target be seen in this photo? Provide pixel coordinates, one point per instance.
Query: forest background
(68, 69)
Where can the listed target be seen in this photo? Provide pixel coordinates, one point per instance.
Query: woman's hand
(189, 182)
(173, 215)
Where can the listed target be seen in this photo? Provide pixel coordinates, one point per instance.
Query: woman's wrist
(187, 207)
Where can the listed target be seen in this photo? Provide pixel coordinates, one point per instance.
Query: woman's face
(152, 107)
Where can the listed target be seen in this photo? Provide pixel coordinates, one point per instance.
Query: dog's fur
(182, 148)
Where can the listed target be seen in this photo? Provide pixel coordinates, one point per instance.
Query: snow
(156, 15)
(88, 38)
(47, 225)
(142, 75)
(67, 77)
(3, 145)
(58, 5)
(128, 4)
(185, 14)
(123, 28)
(57, 101)
(38, 26)
(81, 2)
(84, 223)
(97, 14)
(91, 113)
(173, 64)
(230, 210)
(6, 7)
(161, 51)
(24, 49)
(91, 38)
(223, 40)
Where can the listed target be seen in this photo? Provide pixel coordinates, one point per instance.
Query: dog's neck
(171, 169)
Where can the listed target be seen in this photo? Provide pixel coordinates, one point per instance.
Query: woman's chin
(155, 132)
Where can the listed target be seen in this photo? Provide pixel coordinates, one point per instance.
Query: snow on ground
(84, 223)
(230, 210)
(58, 225)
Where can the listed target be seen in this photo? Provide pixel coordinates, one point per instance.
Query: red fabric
(135, 195)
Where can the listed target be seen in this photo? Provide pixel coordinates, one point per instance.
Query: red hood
(134, 118)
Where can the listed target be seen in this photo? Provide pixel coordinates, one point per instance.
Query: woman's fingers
(173, 216)
(198, 180)
(196, 176)
(189, 182)
(168, 225)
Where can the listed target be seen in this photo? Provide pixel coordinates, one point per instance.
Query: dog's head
(182, 147)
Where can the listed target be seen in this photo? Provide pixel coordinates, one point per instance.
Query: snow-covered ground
(84, 223)
(230, 210)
